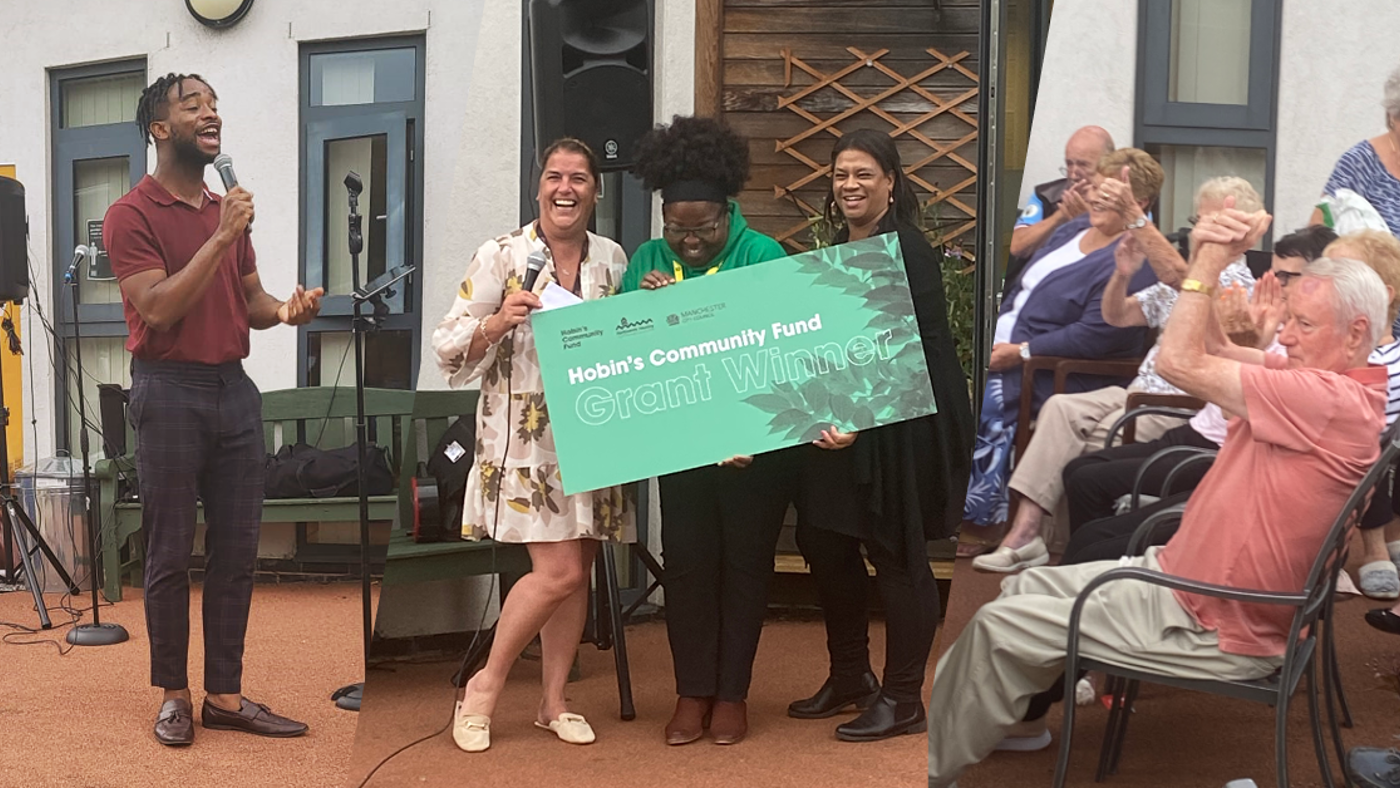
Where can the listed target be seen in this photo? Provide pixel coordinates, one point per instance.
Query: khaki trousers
(1069, 426)
(1014, 647)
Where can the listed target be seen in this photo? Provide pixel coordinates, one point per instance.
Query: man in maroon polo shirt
(190, 293)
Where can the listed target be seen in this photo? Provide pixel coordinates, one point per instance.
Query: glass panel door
(376, 148)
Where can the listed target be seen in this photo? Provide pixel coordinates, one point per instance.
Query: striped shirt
(1389, 357)
(1360, 169)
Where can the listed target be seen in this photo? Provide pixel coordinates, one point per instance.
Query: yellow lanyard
(680, 271)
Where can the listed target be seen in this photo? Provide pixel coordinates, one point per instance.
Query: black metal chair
(1305, 638)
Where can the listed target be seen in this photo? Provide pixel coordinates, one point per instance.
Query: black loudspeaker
(14, 242)
(591, 66)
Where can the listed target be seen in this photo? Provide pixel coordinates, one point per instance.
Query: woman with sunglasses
(719, 524)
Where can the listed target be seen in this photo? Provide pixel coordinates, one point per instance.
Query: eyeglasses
(705, 232)
(1077, 167)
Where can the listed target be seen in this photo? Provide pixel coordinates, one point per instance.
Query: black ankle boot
(884, 718)
(835, 695)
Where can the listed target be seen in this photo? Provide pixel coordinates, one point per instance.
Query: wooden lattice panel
(935, 128)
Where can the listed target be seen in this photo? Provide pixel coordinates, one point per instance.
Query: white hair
(1218, 188)
(1391, 102)
(1357, 291)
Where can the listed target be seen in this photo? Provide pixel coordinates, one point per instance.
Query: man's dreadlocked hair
(156, 96)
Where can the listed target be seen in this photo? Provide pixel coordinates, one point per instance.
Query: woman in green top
(719, 524)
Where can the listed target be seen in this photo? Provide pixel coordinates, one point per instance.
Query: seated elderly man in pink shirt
(1302, 436)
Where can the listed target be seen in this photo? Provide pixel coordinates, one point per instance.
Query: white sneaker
(1006, 560)
(1084, 692)
(1025, 737)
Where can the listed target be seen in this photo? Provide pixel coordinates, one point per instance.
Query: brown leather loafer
(689, 721)
(252, 718)
(730, 722)
(175, 723)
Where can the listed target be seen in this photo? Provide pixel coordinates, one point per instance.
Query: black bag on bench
(302, 471)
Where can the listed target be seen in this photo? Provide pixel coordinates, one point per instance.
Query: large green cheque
(742, 362)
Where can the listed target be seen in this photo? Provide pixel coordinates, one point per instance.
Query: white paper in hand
(554, 297)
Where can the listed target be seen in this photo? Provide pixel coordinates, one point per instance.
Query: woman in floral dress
(514, 493)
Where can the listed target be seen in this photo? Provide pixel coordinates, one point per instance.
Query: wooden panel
(832, 46)
(772, 72)
(873, 5)
(850, 21)
(709, 55)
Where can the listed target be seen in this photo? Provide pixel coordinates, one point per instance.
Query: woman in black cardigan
(890, 489)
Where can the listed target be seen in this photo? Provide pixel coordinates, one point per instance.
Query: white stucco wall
(1088, 78)
(1335, 60)
(254, 66)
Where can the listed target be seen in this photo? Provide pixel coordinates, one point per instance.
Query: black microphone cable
(495, 546)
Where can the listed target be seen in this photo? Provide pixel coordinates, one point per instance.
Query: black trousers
(198, 438)
(719, 531)
(911, 608)
(1094, 482)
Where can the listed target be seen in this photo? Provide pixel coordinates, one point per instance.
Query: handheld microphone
(224, 164)
(533, 265)
(79, 252)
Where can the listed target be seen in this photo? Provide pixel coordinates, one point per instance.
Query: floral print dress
(514, 492)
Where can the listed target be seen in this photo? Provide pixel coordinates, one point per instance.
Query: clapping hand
(1117, 195)
(1128, 257)
(1075, 201)
(1233, 232)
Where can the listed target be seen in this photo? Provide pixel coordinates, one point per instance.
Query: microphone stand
(96, 633)
(350, 696)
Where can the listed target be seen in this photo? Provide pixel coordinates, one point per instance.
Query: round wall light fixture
(218, 14)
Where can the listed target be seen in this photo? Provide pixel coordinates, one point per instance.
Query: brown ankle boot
(688, 723)
(730, 722)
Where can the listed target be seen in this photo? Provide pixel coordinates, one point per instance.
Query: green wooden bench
(323, 417)
(417, 562)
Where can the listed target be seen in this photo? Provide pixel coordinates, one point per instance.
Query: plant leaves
(842, 409)
(769, 403)
(789, 418)
(863, 418)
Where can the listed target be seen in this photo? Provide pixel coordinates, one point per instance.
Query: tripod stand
(96, 633)
(26, 535)
(349, 697)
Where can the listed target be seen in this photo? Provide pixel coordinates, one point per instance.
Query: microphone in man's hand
(224, 164)
(533, 265)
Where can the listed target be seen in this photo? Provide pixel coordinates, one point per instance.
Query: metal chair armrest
(1166, 453)
(1143, 533)
(1146, 410)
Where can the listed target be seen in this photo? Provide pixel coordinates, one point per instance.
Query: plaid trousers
(198, 438)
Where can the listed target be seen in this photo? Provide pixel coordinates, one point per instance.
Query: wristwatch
(1138, 223)
(1025, 351)
(1197, 286)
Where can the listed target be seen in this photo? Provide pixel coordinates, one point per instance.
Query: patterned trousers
(198, 438)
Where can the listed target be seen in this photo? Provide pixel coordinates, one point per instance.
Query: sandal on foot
(572, 728)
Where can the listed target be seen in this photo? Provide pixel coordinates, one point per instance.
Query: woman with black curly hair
(891, 489)
(719, 524)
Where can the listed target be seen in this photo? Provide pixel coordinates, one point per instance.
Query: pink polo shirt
(1259, 516)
